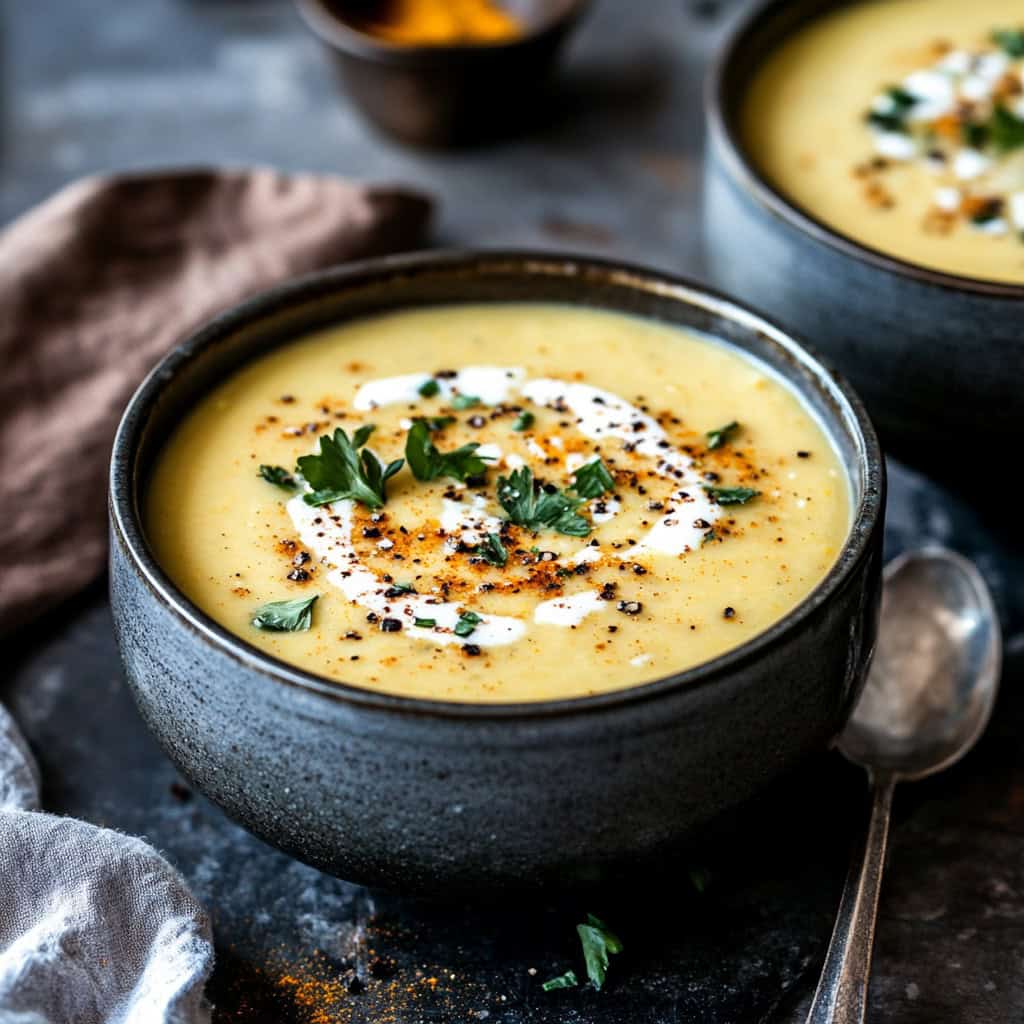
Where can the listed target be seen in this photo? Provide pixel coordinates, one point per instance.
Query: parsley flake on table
(567, 980)
(428, 463)
(598, 942)
(723, 435)
(552, 510)
(731, 495)
(279, 477)
(341, 471)
(285, 616)
(593, 479)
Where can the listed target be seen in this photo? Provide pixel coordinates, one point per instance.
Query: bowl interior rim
(336, 32)
(742, 168)
(126, 515)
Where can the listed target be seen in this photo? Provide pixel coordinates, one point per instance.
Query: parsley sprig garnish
(492, 551)
(427, 463)
(567, 980)
(1011, 40)
(279, 477)
(593, 479)
(552, 510)
(722, 435)
(468, 621)
(342, 471)
(285, 616)
(731, 495)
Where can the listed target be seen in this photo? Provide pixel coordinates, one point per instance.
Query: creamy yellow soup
(900, 123)
(612, 500)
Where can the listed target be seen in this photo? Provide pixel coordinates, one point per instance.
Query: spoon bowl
(935, 676)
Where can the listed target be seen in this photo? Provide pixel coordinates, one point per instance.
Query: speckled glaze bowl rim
(126, 518)
(774, 201)
(337, 33)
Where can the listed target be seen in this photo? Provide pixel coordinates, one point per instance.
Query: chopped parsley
(550, 509)
(465, 401)
(1006, 130)
(397, 589)
(1011, 40)
(492, 551)
(427, 463)
(523, 422)
(567, 980)
(285, 616)
(598, 942)
(468, 621)
(893, 119)
(435, 423)
(731, 495)
(723, 435)
(342, 471)
(593, 479)
(429, 388)
(425, 623)
(279, 477)
(973, 134)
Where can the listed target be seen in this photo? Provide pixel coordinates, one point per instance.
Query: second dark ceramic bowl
(432, 796)
(446, 95)
(938, 358)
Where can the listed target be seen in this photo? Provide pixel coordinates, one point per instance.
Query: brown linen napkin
(96, 284)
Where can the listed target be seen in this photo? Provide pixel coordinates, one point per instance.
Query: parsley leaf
(553, 510)
(468, 621)
(427, 463)
(465, 401)
(1006, 130)
(598, 942)
(492, 551)
(523, 421)
(1011, 40)
(593, 479)
(429, 388)
(279, 477)
(435, 423)
(341, 471)
(567, 980)
(723, 435)
(425, 623)
(731, 495)
(285, 616)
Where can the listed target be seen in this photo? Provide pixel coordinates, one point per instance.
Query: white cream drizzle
(568, 611)
(327, 531)
(491, 384)
(600, 415)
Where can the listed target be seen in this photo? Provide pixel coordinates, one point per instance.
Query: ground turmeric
(437, 22)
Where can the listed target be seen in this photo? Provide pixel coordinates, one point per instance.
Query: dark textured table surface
(615, 169)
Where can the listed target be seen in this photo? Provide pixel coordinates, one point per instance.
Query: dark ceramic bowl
(937, 357)
(446, 95)
(427, 795)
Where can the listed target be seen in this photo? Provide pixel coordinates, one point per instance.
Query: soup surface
(641, 499)
(900, 123)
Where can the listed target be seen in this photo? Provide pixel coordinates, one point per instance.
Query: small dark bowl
(432, 796)
(447, 95)
(937, 357)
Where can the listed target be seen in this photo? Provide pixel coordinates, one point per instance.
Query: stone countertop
(614, 169)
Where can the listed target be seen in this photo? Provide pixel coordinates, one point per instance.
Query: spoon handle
(841, 996)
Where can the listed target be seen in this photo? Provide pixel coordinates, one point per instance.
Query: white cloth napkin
(95, 927)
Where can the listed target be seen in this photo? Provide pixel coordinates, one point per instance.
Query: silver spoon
(928, 697)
